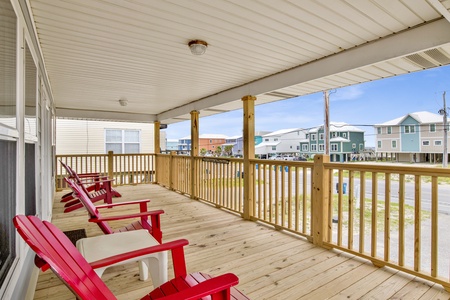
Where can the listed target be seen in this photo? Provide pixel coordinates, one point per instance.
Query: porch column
(249, 153)
(156, 146)
(157, 137)
(320, 218)
(194, 151)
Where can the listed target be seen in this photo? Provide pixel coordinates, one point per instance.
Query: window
(334, 147)
(210, 141)
(313, 137)
(344, 135)
(8, 207)
(290, 147)
(30, 92)
(274, 148)
(305, 147)
(425, 143)
(8, 33)
(394, 144)
(266, 140)
(437, 143)
(321, 147)
(353, 146)
(122, 141)
(8, 148)
(432, 127)
(379, 130)
(334, 134)
(275, 139)
(409, 129)
(313, 148)
(321, 136)
(298, 147)
(361, 147)
(379, 144)
(389, 130)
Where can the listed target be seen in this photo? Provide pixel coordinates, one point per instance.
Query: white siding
(88, 137)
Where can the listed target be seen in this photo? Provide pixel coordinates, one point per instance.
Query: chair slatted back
(84, 198)
(53, 246)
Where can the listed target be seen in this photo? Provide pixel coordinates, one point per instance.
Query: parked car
(298, 158)
(288, 157)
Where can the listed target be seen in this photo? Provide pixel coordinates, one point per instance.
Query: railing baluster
(351, 183)
(417, 223)
(434, 226)
(387, 214)
(362, 210)
(374, 224)
(401, 221)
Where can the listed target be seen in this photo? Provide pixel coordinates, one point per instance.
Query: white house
(97, 137)
(284, 141)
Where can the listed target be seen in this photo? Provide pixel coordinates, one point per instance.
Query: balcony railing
(122, 168)
(395, 216)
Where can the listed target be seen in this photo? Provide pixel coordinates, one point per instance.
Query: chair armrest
(208, 287)
(122, 203)
(178, 244)
(132, 216)
(97, 181)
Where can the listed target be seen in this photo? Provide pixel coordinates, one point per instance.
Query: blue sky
(362, 105)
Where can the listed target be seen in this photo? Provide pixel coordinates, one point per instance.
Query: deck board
(270, 264)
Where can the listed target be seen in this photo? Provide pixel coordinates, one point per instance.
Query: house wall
(88, 137)
(410, 141)
(210, 144)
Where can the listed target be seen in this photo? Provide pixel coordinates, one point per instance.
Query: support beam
(157, 137)
(249, 153)
(194, 151)
(320, 214)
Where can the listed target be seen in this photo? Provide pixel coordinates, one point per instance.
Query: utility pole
(326, 123)
(443, 112)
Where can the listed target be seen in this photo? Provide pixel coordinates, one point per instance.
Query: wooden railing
(123, 168)
(395, 216)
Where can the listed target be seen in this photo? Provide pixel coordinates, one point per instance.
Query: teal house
(346, 142)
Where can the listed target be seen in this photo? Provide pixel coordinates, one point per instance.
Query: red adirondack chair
(98, 188)
(153, 225)
(56, 251)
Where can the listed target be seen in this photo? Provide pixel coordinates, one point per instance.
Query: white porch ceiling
(98, 51)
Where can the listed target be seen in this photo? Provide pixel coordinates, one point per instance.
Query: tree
(202, 152)
(218, 151)
(228, 150)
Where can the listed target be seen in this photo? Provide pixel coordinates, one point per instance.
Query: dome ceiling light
(198, 47)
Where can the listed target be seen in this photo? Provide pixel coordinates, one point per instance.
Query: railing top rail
(396, 169)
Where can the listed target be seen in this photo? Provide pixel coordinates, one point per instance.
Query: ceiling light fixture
(198, 47)
(123, 102)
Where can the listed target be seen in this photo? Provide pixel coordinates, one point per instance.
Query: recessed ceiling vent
(429, 59)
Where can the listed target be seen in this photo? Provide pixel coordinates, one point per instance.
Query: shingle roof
(423, 117)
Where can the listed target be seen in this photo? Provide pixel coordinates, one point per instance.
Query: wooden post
(194, 151)
(171, 170)
(320, 226)
(157, 137)
(111, 165)
(249, 153)
(157, 146)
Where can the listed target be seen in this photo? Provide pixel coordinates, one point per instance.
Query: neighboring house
(415, 137)
(171, 145)
(210, 142)
(184, 145)
(346, 142)
(98, 137)
(281, 142)
(238, 148)
(233, 141)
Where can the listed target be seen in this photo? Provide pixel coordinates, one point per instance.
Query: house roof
(422, 117)
(339, 139)
(98, 52)
(266, 144)
(212, 136)
(282, 132)
(338, 127)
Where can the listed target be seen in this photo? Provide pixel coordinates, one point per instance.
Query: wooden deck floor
(270, 264)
